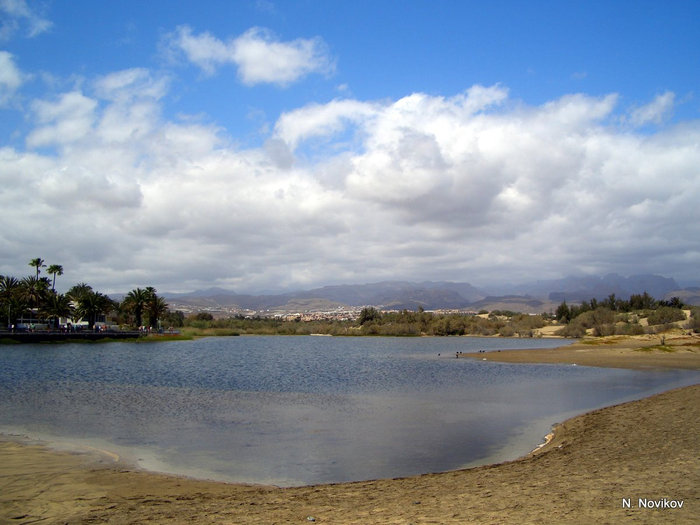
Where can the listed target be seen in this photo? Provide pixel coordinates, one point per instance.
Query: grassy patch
(192, 332)
(157, 338)
(662, 348)
(598, 342)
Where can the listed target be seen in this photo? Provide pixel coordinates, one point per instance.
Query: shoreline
(590, 467)
(639, 449)
(630, 352)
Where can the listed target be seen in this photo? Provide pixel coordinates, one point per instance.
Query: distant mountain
(532, 298)
(690, 295)
(584, 288)
(515, 303)
(209, 292)
(387, 294)
(401, 294)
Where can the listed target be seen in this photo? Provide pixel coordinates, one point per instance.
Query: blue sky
(274, 145)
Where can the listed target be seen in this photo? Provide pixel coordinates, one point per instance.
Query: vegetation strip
(32, 305)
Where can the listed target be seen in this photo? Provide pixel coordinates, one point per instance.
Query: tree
(156, 308)
(368, 314)
(37, 263)
(9, 298)
(642, 302)
(57, 305)
(135, 302)
(91, 305)
(34, 290)
(563, 314)
(78, 290)
(673, 302)
(54, 269)
(610, 303)
(176, 318)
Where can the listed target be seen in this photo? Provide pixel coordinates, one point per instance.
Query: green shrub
(629, 329)
(665, 315)
(506, 331)
(575, 330)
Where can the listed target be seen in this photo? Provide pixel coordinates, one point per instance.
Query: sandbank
(637, 352)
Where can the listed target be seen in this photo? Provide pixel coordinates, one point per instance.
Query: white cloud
(11, 78)
(262, 59)
(258, 55)
(17, 12)
(203, 50)
(472, 187)
(129, 84)
(318, 120)
(655, 112)
(65, 120)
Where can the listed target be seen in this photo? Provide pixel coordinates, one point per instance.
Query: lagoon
(303, 410)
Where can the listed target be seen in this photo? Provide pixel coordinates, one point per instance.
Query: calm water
(301, 410)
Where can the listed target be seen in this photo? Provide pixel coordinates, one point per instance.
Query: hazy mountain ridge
(389, 294)
(533, 297)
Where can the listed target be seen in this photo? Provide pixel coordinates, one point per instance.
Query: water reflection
(301, 410)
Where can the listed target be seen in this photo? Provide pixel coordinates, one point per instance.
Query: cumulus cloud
(262, 59)
(259, 56)
(64, 120)
(129, 84)
(319, 120)
(655, 112)
(16, 14)
(11, 78)
(472, 187)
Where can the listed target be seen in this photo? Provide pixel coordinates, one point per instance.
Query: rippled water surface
(300, 410)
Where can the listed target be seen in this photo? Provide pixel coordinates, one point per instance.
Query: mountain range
(534, 297)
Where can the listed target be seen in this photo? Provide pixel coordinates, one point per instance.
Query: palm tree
(91, 305)
(156, 307)
(54, 269)
(37, 263)
(32, 294)
(57, 305)
(135, 302)
(9, 294)
(34, 290)
(78, 290)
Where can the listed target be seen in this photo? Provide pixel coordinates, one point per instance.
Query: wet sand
(643, 450)
(637, 352)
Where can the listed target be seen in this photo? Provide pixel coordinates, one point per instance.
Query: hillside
(536, 297)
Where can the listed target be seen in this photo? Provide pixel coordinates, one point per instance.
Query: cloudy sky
(269, 145)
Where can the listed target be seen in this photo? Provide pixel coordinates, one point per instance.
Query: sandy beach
(636, 352)
(637, 462)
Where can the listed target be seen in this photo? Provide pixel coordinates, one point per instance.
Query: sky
(263, 146)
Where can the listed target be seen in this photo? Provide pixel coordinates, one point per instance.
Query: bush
(629, 329)
(574, 330)
(603, 330)
(506, 331)
(694, 322)
(665, 315)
